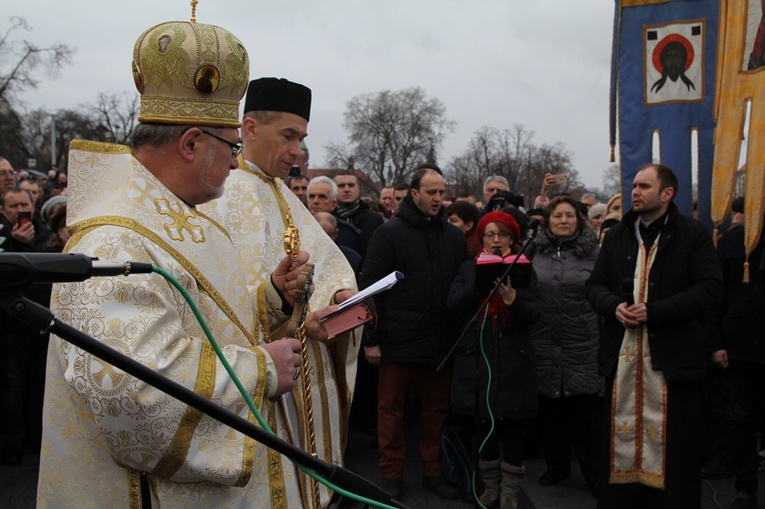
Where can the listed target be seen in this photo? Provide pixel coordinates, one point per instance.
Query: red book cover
(348, 318)
(359, 309)
(489, 267)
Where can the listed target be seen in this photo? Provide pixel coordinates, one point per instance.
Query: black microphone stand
(42, 319)
(477, 369)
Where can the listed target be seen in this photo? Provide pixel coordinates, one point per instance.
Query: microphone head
(498, 252)
(533, 224)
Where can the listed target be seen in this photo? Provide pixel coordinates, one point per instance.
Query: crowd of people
(602, 343)
(562, 353)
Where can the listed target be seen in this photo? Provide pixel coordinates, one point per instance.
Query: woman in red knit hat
(498, 348)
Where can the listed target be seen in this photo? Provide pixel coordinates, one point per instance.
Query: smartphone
(25, 216)
(561, 179)
(294, 171)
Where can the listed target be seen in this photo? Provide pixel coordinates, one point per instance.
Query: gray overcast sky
(540, 63)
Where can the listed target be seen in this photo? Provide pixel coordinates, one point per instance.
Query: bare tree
(117, 113)
(21, 59)
(35, 134)
(511, 154)
(491, 151)
(612, 180)
(390, 132)
(11, 142)
(70, 125)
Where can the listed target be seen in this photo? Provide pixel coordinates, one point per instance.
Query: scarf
(348, 210)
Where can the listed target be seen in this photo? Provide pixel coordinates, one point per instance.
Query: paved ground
(18, 484)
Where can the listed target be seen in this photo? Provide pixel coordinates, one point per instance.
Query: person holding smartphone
(26, 234)
(551, 180)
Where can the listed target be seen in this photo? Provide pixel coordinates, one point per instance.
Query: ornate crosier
(296, 328)
(194, 10)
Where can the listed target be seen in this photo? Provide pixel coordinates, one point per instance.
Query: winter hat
(500, 217)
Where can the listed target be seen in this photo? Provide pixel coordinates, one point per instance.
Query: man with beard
(655, 277)
(117, 441)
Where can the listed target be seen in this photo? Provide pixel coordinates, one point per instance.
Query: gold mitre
(190, 73)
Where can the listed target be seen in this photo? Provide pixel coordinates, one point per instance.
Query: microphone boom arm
(43, 320)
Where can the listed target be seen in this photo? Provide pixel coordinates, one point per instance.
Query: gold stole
(291, 245)
(639, 400)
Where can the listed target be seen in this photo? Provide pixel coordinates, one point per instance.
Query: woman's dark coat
(507, 346)
(566, 337)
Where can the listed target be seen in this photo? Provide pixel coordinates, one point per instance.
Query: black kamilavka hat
(273, 94)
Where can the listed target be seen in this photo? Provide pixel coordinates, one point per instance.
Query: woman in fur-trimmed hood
(566, 341)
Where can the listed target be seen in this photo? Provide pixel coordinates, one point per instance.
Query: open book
(359, 309)
(488, 267)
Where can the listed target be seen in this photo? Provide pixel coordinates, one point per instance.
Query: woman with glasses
(566, 342)
(496, 355)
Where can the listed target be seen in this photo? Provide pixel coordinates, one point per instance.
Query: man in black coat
(656, 275)
(414, 329)
(739, 346)
(352, 209)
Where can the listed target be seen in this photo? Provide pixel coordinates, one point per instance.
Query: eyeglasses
(501, 235)
(5, 173)
(236, 149)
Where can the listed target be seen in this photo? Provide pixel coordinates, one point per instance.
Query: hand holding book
(359, 309)
(506, 291)
(490, 267)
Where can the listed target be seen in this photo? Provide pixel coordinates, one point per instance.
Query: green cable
(714, 494)
(246, 396)
(488, 406)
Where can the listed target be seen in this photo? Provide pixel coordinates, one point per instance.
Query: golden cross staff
(296, 329)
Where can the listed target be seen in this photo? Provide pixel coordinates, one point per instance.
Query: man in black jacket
(352, 209)
(740, 348)
(656, 276)
(414, 330)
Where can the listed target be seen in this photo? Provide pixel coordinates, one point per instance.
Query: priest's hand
(286, 273)
(314, 328)
(286, 356)
(343, 295)
(626, 317)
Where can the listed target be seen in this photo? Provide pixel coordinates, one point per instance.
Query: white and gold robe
(249, 210)
(102, 427)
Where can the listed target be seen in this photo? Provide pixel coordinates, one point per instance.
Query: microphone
(18, 270)
(533, 225)
(498, 252)
(628, 286)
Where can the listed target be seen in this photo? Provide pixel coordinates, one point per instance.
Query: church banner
(663, 82)
(741, 81)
